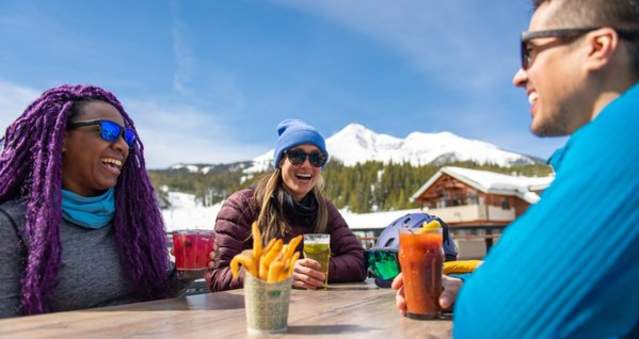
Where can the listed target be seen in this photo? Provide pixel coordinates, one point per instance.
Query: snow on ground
(373, 220)
(492, 182)
(187, 213)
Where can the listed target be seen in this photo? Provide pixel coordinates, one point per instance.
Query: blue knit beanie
(294, 132)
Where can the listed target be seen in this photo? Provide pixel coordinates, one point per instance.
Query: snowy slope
(187, 213)
(356, 144)
(206, 168)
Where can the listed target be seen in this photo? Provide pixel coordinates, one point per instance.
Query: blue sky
(208, 81)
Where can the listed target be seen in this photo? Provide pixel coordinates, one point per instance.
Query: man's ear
(602, 44)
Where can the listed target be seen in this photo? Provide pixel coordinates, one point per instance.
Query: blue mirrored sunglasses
(110, 131)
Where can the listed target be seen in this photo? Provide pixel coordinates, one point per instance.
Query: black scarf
(302, 213)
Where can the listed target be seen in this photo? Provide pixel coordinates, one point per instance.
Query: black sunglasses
(110, 131)
(565, 34)
(298, 156)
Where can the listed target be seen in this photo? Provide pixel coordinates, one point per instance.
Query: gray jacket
(90, 273)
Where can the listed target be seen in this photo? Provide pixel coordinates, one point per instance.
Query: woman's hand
(446, 299)
(306, 274)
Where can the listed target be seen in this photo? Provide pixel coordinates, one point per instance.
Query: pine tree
(360, 187)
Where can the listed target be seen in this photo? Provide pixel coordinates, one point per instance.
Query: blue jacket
(569, 267)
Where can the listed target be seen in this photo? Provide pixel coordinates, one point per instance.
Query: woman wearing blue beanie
(285, 203)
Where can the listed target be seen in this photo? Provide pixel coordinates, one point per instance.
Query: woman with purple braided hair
(79, 223)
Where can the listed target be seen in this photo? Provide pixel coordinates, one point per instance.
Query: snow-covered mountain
(206, 168)
(356, 144)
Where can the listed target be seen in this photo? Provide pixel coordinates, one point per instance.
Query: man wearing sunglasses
(568, 267)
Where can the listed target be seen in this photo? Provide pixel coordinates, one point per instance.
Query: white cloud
(174, 133)
(467, 46)
(184, 58)
(13, 101)
(171, 132)
(449, 41)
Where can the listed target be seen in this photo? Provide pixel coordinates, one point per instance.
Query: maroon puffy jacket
(233, 235)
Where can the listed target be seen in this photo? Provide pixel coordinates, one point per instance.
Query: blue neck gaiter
(88, 212)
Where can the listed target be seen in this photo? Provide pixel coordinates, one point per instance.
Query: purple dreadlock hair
(31, 168)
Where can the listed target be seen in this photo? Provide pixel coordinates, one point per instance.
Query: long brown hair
(271, 220)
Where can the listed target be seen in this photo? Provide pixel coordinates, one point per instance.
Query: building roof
(493, 183)
(375, 220)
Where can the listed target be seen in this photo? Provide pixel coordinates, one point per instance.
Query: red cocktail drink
(191, 249)
(421, 258)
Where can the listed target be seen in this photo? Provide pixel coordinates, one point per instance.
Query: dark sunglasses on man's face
(110, 131)
(297, 157)
(565, 35)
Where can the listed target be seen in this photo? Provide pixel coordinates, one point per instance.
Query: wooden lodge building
(478, 205)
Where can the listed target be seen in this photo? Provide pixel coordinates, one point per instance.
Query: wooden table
(345, 311)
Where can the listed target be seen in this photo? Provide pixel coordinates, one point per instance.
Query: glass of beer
(421, 258)
(318, 247)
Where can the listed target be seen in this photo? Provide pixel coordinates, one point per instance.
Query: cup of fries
(268, 274)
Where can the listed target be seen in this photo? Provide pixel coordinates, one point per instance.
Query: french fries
(257, 240)
(267, 259)
(246, 260)
(273, 263)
